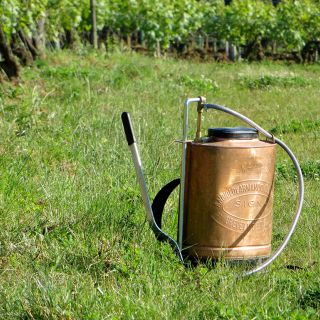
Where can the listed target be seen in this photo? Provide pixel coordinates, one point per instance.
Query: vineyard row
(232, 30)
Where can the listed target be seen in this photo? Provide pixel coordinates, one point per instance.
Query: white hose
(300, 179)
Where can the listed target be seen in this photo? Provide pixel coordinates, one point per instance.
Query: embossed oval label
(245, 204)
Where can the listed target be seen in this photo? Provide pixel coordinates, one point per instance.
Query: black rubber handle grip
(127, 126)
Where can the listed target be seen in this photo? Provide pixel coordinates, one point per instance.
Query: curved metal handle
(127, 125)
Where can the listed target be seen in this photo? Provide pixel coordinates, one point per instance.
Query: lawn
(74, 243)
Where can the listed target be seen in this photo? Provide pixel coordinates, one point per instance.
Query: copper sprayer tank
(229, 197)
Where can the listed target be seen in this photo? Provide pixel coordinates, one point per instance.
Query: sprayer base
(213, 262)
(235, 253)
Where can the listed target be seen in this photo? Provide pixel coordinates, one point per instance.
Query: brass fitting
(199, 121)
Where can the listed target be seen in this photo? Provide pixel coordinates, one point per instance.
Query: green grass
(74, 243)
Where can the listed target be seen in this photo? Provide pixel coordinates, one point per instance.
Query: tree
(94, 38)
(9, 64)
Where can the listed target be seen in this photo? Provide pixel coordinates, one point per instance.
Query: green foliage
(268, 81)
(167, 21)
(292, 23)
(297, 23)
(9, 13)
(311, 298)
(201, 84)
(310, 170)
(64, 73)
(296, 126)
(246, 21)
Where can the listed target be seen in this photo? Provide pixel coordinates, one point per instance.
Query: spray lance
(226, 191)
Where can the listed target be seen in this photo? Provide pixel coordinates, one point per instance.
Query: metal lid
(233, 133)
